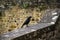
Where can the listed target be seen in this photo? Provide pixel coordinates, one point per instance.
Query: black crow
(27, 21)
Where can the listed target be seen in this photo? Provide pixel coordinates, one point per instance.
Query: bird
(27, 21)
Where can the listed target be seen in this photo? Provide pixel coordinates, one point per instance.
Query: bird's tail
(22, 26)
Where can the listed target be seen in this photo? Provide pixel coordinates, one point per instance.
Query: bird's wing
(25, 22)
(24, 19)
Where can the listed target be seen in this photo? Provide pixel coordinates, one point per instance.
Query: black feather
(26, 22)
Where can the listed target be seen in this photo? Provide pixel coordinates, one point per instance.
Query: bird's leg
(27, 25)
